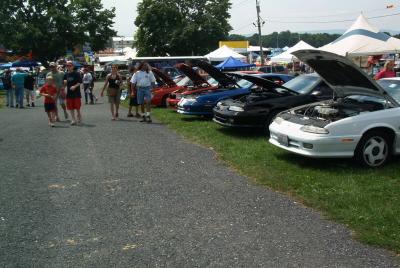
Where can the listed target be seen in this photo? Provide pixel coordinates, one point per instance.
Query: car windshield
(212, 81)
(392, 87)
(185, 82)
(243, 83)
(302, 84)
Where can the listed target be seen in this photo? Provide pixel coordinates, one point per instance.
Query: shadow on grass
(243, 132)
(196, 119)
(332, 164)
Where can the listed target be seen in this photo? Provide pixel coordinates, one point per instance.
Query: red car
(165, 87)
(199, 84)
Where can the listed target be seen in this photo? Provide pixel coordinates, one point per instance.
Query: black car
(258, 108)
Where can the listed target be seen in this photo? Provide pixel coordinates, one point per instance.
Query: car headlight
(278, 120)
(235, 109)
(314, 129)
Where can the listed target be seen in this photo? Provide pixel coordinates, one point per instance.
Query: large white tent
(363, 39)
(287, 56)
(223, 53)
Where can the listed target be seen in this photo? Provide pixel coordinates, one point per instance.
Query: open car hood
(341, 74)
(197, 79)
(222, 78)
(162, 78)
(264, 83)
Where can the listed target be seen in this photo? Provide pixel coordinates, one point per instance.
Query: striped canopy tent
(363, 39)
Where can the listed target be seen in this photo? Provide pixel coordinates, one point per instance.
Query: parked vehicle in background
(362, 121)
(268, 99)
(229, 87)
(278, 69)
(192, 83)
(165, 86)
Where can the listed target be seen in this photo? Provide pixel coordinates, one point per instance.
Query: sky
(293, 15)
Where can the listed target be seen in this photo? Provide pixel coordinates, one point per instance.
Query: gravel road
(128, 194)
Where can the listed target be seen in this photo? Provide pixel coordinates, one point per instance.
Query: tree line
(287, 38)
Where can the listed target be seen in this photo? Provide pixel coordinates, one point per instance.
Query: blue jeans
(10, 97)
(19, 94)
(142, 94)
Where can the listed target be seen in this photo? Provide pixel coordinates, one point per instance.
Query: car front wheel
(374, 149)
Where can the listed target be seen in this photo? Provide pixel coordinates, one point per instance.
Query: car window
(243, 83)
(303, 84)
(324, 89)
(392, 87)
(185, 82)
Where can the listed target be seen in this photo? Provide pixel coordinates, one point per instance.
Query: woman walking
(113, 84)
(143, 80)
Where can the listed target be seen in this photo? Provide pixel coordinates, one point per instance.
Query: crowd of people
(62, 91)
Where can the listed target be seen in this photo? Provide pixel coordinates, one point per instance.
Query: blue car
(230, 86)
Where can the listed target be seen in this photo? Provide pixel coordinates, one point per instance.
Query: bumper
(195, 110)
(289, 137)
(234, 119)
(173, 103)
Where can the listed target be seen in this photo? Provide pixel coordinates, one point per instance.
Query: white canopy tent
(363, 39)
(111, 58)
(223, 53)
(287, 56)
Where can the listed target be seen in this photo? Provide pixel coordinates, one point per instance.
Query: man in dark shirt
(73, 81)
(30, 89)
(7, 86)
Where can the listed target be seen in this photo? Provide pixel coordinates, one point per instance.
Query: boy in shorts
(49, 92)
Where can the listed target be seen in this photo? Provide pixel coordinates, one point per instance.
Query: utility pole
(259, 24)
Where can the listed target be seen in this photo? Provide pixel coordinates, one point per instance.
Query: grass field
(366, 200)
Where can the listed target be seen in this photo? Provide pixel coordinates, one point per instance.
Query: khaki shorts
(115, 99)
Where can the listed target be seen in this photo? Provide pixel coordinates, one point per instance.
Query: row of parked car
(338, 111)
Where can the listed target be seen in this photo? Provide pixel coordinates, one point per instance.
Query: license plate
(283, 139)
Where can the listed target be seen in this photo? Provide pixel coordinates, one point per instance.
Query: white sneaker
(73, 123)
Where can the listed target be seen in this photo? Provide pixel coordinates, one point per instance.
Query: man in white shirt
(144, 81)
(87, 86)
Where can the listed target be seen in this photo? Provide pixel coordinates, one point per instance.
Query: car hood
(162, 78)
(341, 74)
(265, 83)
(197, 79)
(222, 78)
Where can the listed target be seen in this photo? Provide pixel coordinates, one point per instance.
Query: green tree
(181, 27)
(47, 28)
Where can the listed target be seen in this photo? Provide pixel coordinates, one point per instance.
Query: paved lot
(127, 194)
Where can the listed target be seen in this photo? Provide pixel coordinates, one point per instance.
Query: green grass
(366, 200)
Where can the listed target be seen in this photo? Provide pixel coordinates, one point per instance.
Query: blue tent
(232, 63)
(25, 63)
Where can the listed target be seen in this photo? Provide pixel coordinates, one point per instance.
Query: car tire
(374, 149)
(164, 102)
(269, 119)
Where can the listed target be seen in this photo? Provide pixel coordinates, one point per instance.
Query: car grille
(292, 143)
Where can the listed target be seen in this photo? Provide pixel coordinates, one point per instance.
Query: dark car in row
(258, 108)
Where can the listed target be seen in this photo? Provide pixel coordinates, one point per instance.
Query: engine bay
(326, 112)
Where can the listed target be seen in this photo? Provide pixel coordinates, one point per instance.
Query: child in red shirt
(49, 92)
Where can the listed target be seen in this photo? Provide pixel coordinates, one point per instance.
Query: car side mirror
(316, 93)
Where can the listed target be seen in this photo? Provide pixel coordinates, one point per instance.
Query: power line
(332, 15)
(333, 21)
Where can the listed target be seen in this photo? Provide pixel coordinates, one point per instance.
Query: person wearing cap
(18, 83)
(87, 86)
(58, 78)
(73, 81)
(8, 87)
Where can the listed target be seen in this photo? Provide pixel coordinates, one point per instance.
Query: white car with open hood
(362, 121)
